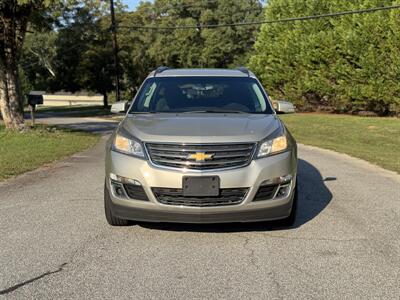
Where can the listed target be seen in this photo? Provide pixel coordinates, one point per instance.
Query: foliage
(217, 47)
(77, 42)
(341, 64)
(345, 64)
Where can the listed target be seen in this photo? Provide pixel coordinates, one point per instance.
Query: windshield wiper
(141, 112)
(214, 111)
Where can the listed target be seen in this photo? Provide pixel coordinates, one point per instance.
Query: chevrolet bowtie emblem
(200, 156)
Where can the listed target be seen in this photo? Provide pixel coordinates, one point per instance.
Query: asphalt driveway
(55, 242)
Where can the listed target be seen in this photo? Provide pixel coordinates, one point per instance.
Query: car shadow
(314, 197)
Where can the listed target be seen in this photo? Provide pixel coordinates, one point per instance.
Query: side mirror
(119, 107)
(283, 107)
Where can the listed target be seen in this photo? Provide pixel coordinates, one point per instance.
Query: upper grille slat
(205, 163)
(232, 154)
(174, 155)
(199, 148)
(219, 156)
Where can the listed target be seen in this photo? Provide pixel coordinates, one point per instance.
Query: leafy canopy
(345, 64)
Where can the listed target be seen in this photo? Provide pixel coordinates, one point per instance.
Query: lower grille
(266, 192)
(136, 192)
(226, 197)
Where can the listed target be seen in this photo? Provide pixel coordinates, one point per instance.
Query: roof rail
(244, 70)
(160, 70)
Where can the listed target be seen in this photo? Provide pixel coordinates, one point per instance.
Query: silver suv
(201, 146)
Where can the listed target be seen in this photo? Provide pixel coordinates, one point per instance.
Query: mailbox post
(34, 98)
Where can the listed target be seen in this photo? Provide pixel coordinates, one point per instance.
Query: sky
(131, 3)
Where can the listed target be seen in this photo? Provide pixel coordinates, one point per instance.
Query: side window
(149, 94)
(260, 96)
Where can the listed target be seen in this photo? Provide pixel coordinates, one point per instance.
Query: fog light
(283, 191)
(119, 191)
(277, 180)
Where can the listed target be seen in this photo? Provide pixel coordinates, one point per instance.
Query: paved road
(96, 125)
(55, 242)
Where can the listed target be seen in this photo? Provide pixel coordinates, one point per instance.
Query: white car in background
(120, 107)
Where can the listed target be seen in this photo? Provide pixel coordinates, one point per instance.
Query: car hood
(200, 128)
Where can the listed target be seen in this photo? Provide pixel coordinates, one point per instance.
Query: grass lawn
(376, 140)
(22, 152)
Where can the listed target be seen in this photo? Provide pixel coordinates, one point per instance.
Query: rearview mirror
(283, 107)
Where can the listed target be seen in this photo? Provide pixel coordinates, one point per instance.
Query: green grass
(22, 152)
(376, 140)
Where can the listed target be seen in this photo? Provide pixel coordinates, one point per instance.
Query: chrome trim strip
(156, 147)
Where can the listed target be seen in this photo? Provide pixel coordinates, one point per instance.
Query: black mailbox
(35, 99)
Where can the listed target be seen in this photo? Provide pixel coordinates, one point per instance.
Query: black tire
(291, 219)
(111, 219)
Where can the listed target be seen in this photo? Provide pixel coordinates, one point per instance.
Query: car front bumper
(250, 177)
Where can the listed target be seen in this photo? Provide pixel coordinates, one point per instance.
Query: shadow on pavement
(314, 196)
(93, 126)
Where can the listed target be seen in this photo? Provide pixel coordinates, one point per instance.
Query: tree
(84, 50)
(199, 47)
(38, 57)
(37, 63)
(72, 51)
(136, 60)
(14, 17)
(141, 50)
(75, 35)
(344, 64)
(96, 67)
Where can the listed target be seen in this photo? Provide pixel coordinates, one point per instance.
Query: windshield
(201, 94)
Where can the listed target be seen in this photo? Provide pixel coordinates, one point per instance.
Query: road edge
(361, 163)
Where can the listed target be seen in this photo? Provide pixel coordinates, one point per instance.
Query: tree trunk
(14, 19)
(105, 100)
(10, 98)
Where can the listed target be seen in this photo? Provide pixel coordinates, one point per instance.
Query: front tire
(110, 217)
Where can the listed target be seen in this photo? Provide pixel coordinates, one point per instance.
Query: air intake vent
(135, 192)
(265, 192)
(170, 196)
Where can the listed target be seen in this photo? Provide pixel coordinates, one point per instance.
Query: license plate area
(206, 186)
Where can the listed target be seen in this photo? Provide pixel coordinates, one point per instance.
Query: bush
(345, 64)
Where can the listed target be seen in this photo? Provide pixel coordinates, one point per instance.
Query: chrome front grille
(201, 157)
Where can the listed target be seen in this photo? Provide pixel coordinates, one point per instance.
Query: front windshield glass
(201, 94)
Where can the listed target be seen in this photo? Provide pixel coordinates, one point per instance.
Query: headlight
(273, 146)
(128, 146)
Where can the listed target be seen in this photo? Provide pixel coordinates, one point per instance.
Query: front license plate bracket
(200, 186)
